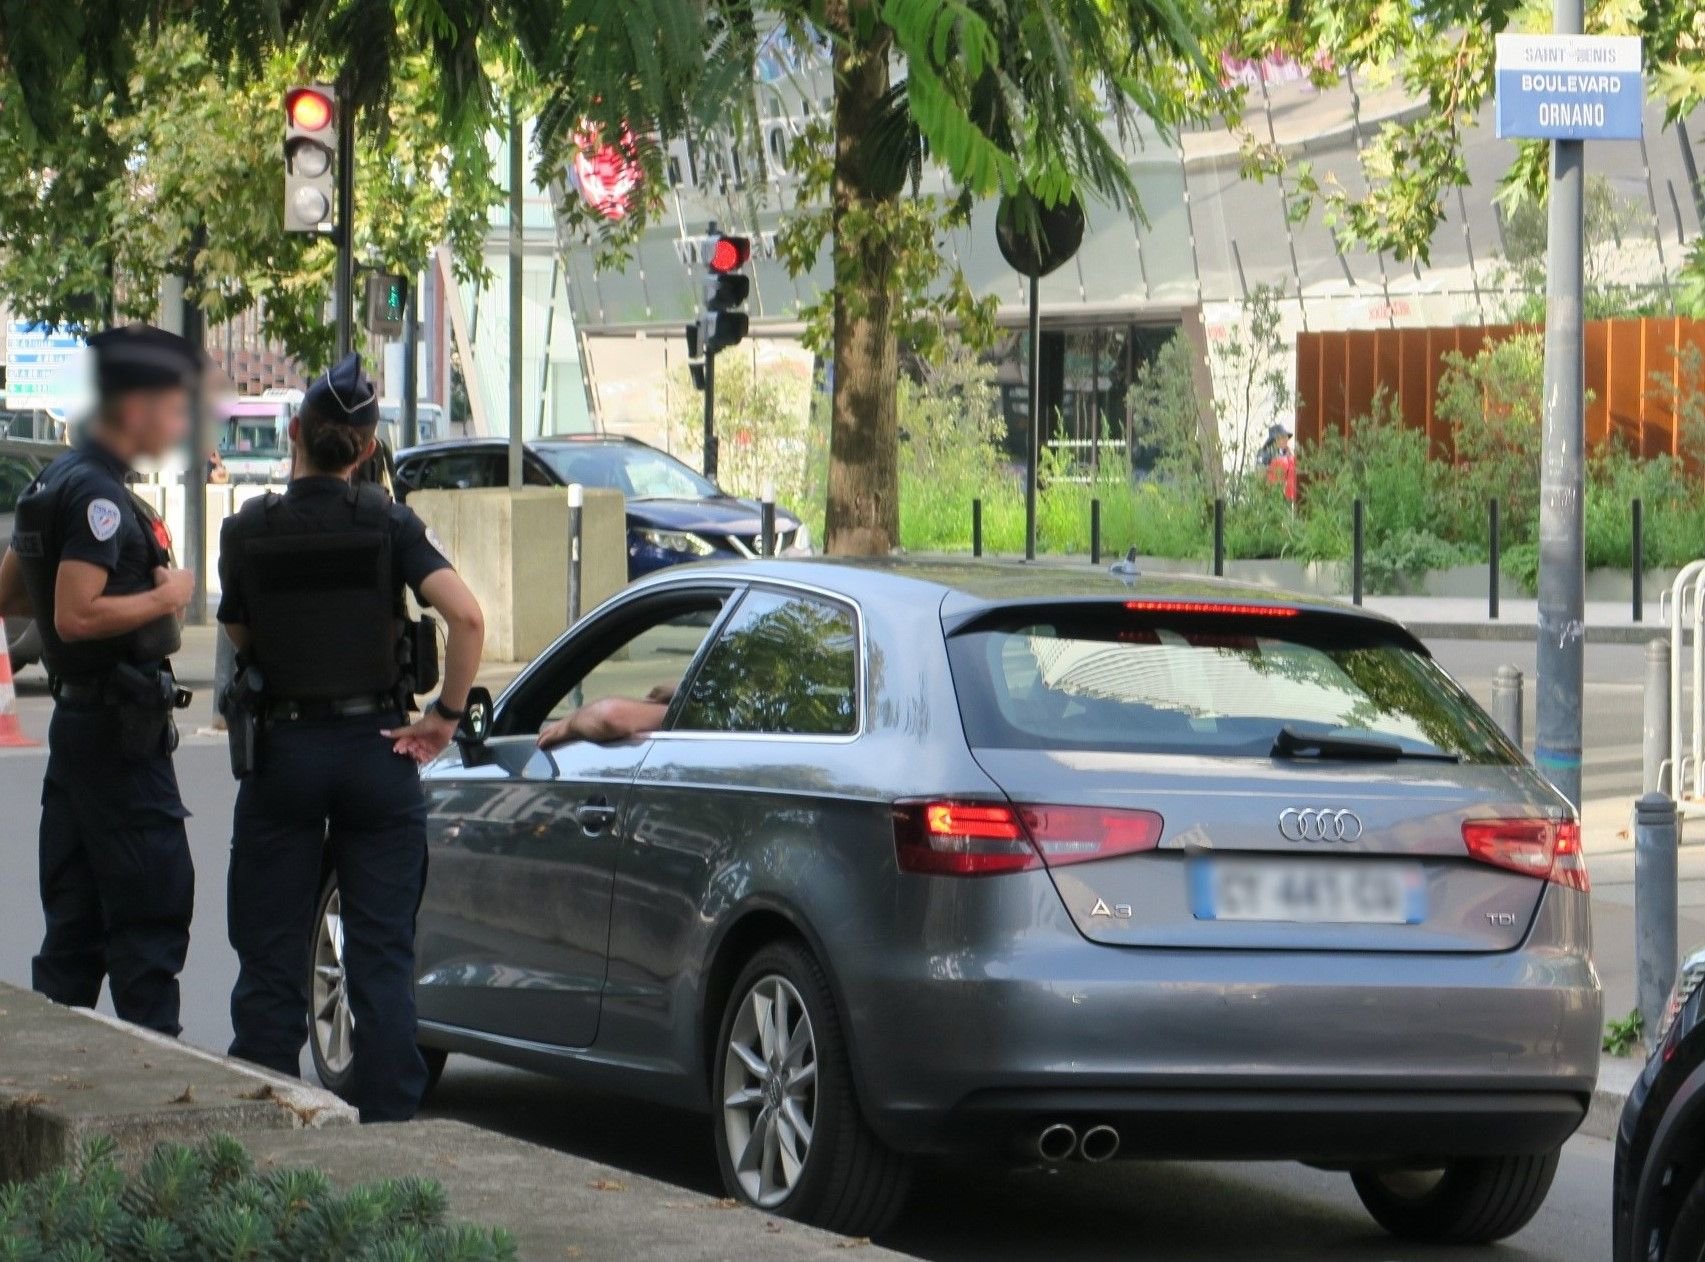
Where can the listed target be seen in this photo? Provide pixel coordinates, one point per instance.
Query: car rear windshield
(1100, 677)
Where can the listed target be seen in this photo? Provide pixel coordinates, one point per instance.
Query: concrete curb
(1523, 632)
(68, 1074)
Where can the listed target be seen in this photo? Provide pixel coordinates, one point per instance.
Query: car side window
(457, 471)
(783, 664)
(637, 655)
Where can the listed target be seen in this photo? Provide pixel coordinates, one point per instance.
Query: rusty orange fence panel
(1635, 373)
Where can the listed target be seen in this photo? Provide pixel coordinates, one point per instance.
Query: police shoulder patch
(104, 519)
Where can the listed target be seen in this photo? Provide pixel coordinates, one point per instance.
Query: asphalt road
(1156, 1211)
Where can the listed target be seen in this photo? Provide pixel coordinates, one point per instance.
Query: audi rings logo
(1312, 823)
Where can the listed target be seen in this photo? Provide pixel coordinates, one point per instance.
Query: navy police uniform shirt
(415, 553)
(100, 521)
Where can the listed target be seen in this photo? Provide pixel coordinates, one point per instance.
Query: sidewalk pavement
(1468, 618)
(66, 1074)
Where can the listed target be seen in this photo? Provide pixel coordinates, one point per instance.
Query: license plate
(1310, 891)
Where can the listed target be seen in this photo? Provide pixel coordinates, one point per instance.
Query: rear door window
(784, 664)
(1096, 677)
(458, 471)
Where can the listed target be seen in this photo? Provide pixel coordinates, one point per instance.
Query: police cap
(141, 357)
(344, 393)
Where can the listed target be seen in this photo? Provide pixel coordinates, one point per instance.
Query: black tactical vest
(322, 605)
(36, 532)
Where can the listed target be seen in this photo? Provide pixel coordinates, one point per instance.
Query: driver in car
(610, 720)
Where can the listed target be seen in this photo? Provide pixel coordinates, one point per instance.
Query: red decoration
(606, 175)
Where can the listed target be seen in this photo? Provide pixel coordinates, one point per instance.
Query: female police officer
(313, 598)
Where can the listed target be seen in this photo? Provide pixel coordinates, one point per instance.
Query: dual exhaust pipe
(1060, 1142)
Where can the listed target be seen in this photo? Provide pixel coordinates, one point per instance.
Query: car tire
(331, 1024)
(1473, 1201)
(844, 1178)
(329, 1029)
(1686, 1242)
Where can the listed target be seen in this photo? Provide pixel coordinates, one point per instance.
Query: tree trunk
(863, 516)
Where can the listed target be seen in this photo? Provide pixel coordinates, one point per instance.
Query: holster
(419, 651)
(144, 701)
(243, 706)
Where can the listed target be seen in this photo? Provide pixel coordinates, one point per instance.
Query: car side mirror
(476, 722)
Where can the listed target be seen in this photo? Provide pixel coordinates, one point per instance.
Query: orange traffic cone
(11, 734)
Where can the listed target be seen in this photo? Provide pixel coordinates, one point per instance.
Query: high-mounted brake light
(1548, 848)
(1211, 607)
(989, 838)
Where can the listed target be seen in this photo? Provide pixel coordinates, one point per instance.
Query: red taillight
(987, 838)
(1212, 607)
(1548, 848)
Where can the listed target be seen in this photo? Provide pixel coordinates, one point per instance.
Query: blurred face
(153, 422)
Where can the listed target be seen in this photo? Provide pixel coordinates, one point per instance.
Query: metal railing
(1684, 606)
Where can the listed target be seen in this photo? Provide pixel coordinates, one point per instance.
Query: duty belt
(87, 690)
(348, 707)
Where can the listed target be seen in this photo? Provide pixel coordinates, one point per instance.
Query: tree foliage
(1442, 53)
(177, 171)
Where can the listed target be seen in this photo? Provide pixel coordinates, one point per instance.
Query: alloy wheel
(769, 1090)
(334, 1023)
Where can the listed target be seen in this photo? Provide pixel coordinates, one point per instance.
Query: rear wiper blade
(1290, 743)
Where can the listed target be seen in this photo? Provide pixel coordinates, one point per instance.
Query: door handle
(595, 814)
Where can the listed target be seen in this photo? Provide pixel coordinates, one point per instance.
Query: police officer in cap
(92, 564)
(312, 595)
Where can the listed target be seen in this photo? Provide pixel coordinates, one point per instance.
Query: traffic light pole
(1562, 564)
(194, 554)
(411, 354)
(344, 292)
(710, 415)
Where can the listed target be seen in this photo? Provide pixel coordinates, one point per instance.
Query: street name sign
(1570, 87)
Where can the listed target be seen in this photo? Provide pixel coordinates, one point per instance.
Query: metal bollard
(1638, 510)
(1654, 727)
(1495, 561)
(576, 502)
(1506, 702)
(1219, 538)
(976, 528)
(1655, 898)
(1095, 532)
(1356, 538)
(767, 522)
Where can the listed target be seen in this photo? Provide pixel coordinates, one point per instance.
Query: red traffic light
(308, 110)
(728, 254)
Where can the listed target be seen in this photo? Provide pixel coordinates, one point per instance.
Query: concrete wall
(512, 548)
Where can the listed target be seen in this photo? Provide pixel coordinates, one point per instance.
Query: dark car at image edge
(675, 515)
(20, 461)
(1659, 1200)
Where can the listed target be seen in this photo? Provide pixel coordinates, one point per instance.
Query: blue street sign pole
(1566, 88)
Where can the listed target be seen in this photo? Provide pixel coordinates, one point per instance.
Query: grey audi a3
(952, 858)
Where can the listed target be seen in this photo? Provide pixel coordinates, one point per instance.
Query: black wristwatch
(445, 712)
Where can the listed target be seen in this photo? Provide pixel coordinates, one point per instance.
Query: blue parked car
(675, 514)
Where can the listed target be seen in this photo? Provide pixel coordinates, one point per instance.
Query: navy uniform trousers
(117, 883)
(330, 790)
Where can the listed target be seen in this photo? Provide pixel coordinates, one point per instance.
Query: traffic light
(387, 304)
(310, 158)
(726, 288)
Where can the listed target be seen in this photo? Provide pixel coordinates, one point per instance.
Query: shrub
(210, 1204)
(767, 434)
